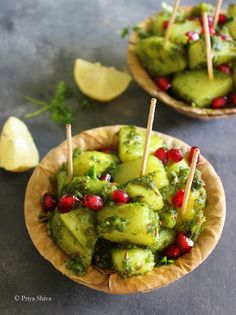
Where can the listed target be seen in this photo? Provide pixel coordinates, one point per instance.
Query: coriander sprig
(165, 261)
(137, 29)
(60, 112)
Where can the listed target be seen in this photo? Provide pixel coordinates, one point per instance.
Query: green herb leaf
(124, 32)
(60, 113)
(165, 261)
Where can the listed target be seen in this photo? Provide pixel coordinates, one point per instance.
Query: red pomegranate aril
(163, 83)
(175, 155)
(120, 196)
(219, 102)
(225, 37)
(160, 153)
(225, 68)
(165, 24)
(233, 99)
(172, 252)
(211, 31)
(48, 202)
(67, 202)
(183, 242)
(191, 153)
(222, 19)
(106, 177)
(93, 202)
(177, 199)
(192, 36)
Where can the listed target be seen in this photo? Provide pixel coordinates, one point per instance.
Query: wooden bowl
(93, 139)
(141, 76)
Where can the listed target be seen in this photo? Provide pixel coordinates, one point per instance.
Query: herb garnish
(124, 32)
(60, 112)
(137, 29)
(165, 261)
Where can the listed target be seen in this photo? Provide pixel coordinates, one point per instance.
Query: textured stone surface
(39, 42)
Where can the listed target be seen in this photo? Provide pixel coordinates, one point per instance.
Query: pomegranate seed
(48, 202)
(211, 31)
(192, 36)
(225, 68)
(67, 202)
(160, 153)
(183, 242)
(163, 83)
(165, 24)
(93, 202)
(172, 251)
(175, 155)
(219, 102)
(190, 155)
(178, 198)
(106, 177)
(225, 37)
(222, 19)
(120, 196)
(233, 99)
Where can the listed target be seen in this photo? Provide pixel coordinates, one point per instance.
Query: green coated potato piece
(179, 31)
(85, 160)
(202, 7)
(196, 203)
(175, 167)
(232, 10)
(198, 90)
(152, 197)
(165, 15)
(222, 51)
(82, 185)
(131, 143)
(130, 170)
(168, 217)
(75, 233)
(165, 238)
(135, 223)
(232, 28)
(159, 60)
(135, 261)
(62, 236)
(61, 180)
(157, 24)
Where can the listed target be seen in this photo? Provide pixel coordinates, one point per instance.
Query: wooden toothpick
(148, 135)
(217, 12)
(189, 181)
(171, 22)
(69, 152)
(208, 46)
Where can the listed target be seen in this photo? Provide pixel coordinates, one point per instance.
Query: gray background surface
(39, 42)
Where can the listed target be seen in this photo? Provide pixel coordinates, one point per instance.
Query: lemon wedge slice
(18, 152)
(99, 82)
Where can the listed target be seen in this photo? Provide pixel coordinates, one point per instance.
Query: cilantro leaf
(60, 113)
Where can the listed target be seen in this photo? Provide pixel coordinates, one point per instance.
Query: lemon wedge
(18, 152)
(99, 82)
